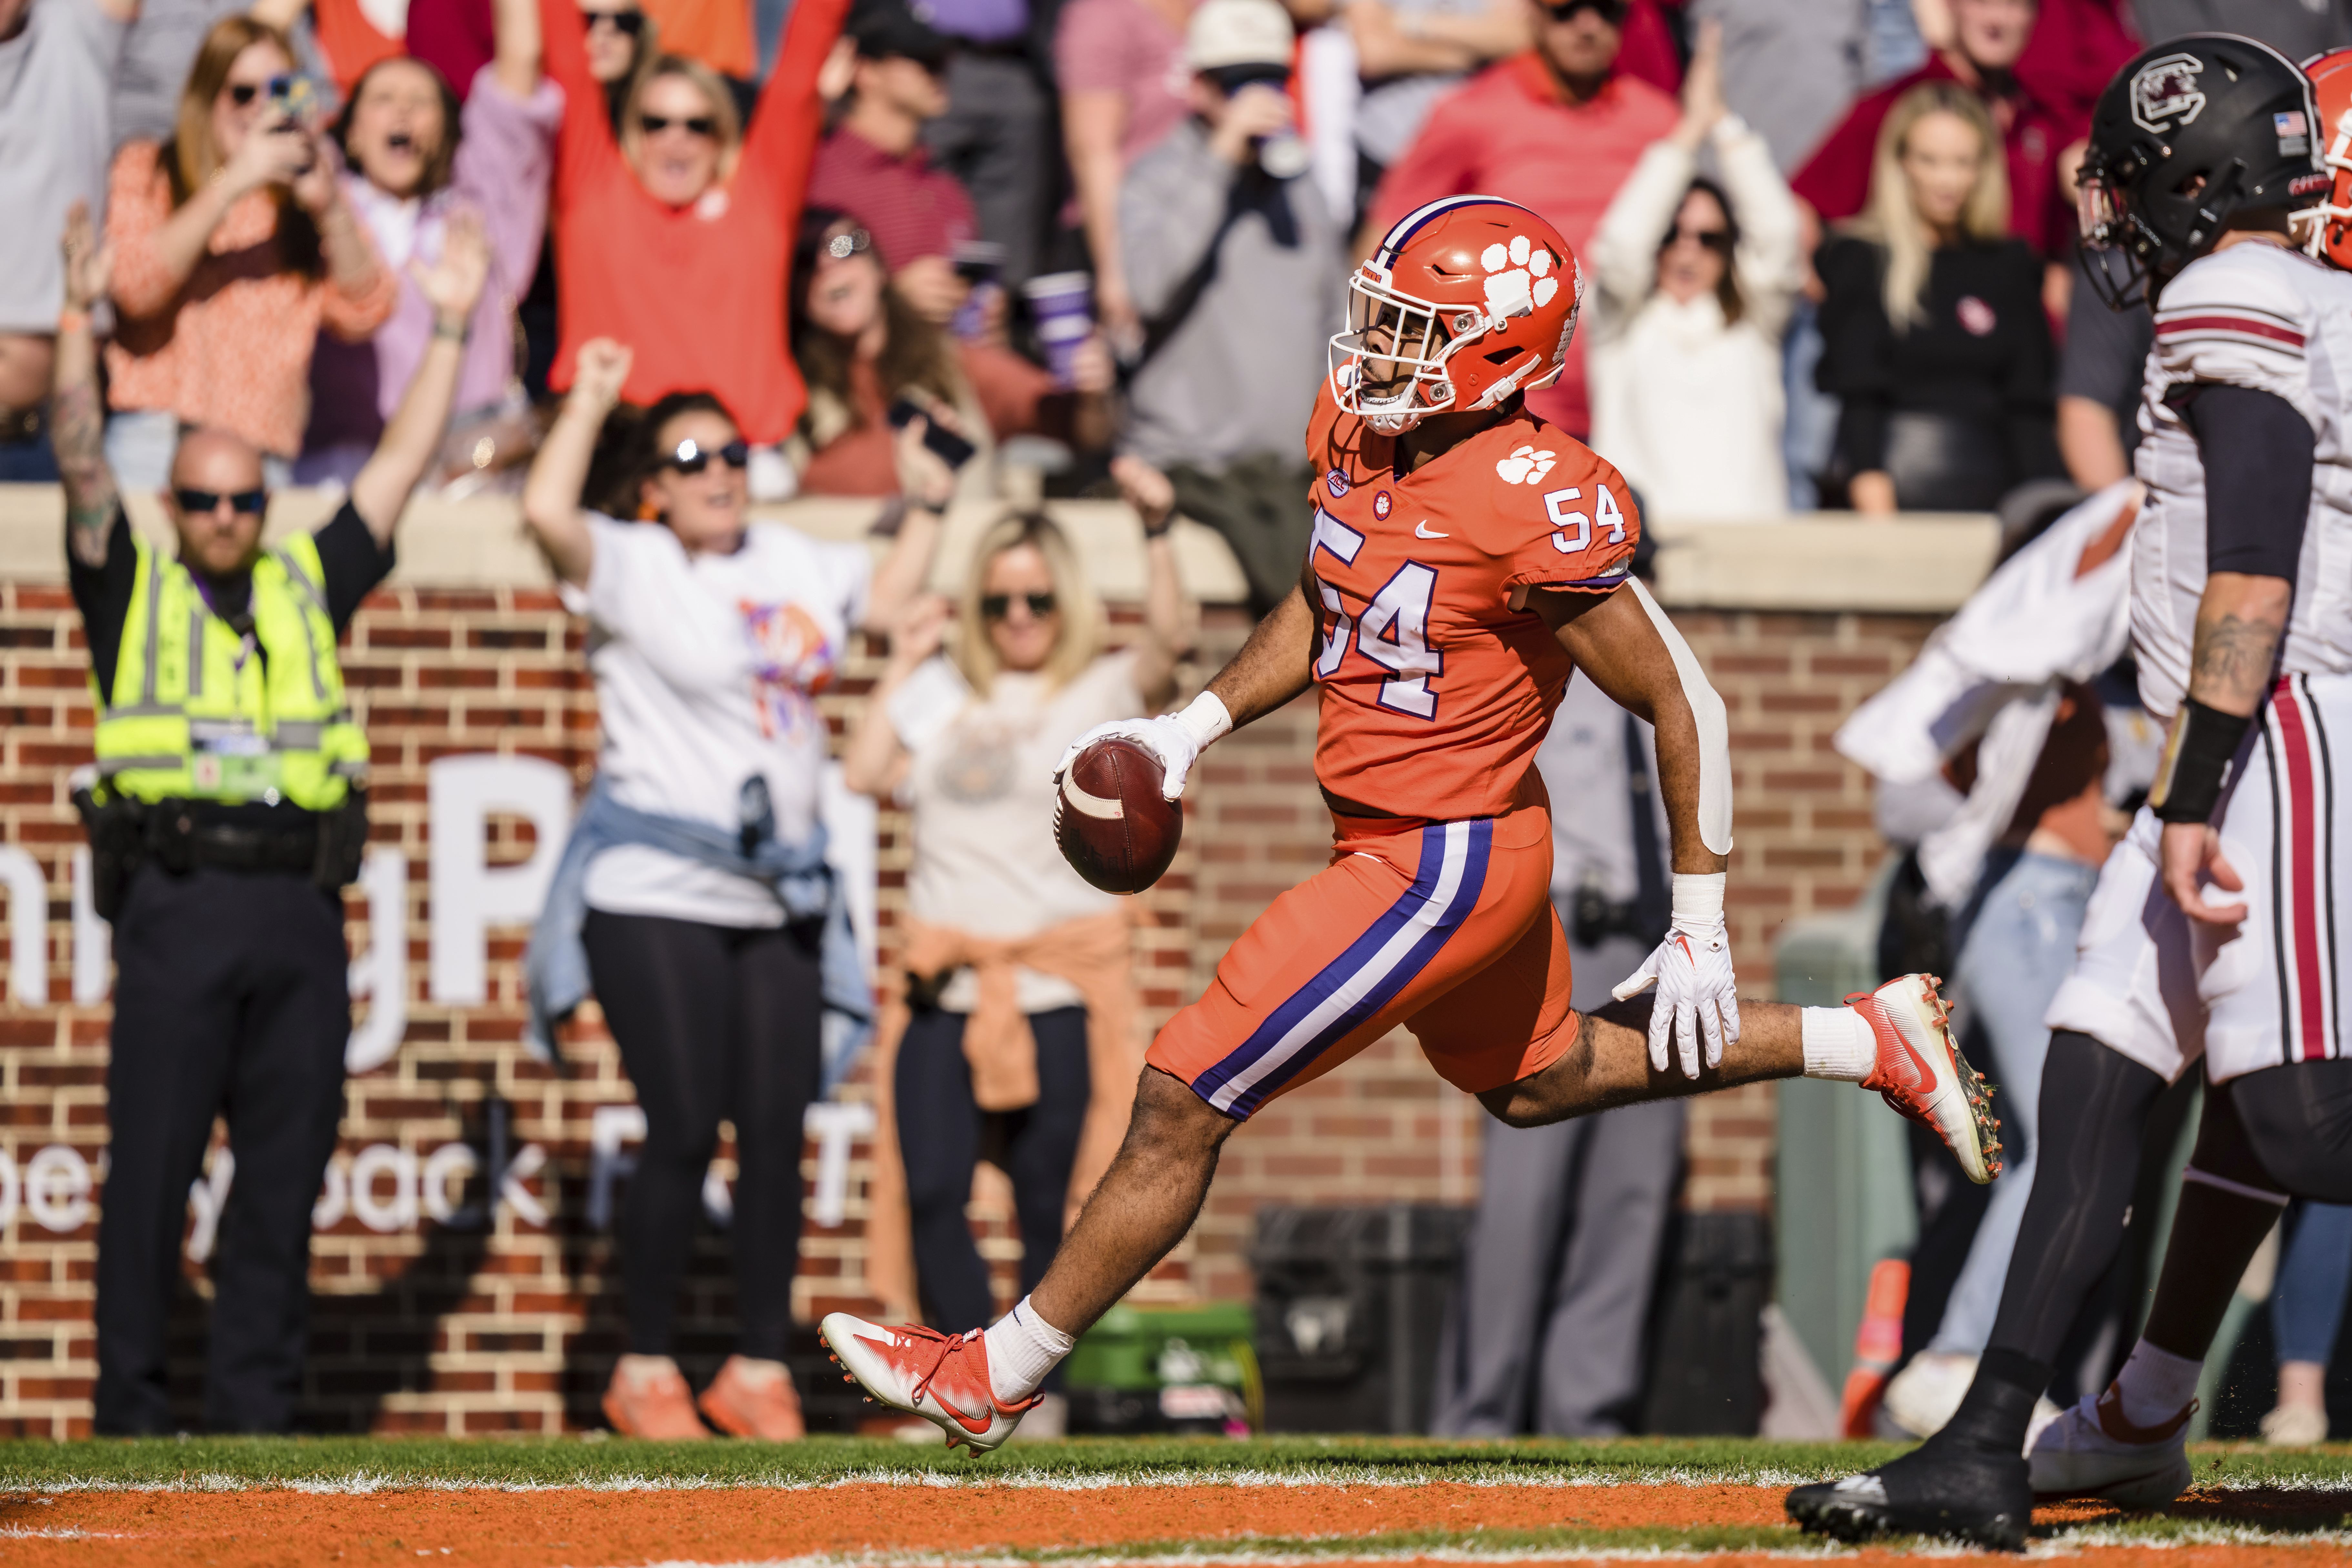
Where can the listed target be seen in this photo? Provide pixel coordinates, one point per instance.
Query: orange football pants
(1444, 927)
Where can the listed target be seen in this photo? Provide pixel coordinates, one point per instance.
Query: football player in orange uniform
(1465, 556)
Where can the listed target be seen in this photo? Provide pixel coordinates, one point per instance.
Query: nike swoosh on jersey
(1422, 531)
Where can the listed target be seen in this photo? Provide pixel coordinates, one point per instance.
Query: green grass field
(225, 1463)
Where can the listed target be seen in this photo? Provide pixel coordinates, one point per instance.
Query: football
(1110, 820)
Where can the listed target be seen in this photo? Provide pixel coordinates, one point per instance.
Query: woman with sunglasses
(863, 347)
(692, 897)
(1691, 286)
(673, 235)
(416, 156)
(1014, 1029)
(234, 245)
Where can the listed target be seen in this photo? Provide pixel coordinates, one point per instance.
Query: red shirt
(1836, 178)
(696, 291)
(910, 208)
(1435, 691)
(1509, 131)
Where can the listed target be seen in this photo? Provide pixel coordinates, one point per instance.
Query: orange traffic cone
(1877, 1345)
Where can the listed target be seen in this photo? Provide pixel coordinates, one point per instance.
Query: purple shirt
(977, 21)
(504, 162)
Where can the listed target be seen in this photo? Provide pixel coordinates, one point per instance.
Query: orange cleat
(650, 1402)
(754, 1399)
(1922, 1074)
(943, 1378)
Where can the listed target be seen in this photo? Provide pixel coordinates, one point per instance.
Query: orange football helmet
(2327, 226)
(1468, 300)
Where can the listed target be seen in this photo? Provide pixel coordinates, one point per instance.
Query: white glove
(1176, 739)
(1698, 991)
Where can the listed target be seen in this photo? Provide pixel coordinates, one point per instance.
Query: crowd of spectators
(1828, 242)
(738, 250)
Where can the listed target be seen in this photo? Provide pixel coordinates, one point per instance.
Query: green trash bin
(1152, 1368)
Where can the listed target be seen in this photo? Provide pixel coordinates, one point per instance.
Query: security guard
(229, 813)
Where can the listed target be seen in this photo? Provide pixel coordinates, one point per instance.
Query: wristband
(70, 319)
(1204, 718)
(457, 335)
(2195, 768)
(1698, 901)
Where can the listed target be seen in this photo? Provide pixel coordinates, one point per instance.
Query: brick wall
(509, 1319)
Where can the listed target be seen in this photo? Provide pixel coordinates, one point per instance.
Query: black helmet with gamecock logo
(1468, 300)
(2193, 130)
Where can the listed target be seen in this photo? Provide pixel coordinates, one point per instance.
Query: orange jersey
(1435, 692)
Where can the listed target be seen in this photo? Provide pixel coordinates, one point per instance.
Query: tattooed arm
(76, 412)
(2239, 622)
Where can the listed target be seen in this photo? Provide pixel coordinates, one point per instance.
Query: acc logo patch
(2165, 95)
(1337, 483)
(1381, 506)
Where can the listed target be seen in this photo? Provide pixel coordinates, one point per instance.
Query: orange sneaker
(1922, 1074)
(651, 1401)
(943, 1378)
(754, 1399)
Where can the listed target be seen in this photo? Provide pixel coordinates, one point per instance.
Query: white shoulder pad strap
(1714, 730)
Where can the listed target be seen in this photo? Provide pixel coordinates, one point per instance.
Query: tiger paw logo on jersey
(1515, 277)
(1525, 466)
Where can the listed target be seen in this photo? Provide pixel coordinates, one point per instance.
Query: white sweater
(1689, 407)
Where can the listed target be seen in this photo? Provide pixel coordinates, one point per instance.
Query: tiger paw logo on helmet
(1525, 466)
(1515, 280)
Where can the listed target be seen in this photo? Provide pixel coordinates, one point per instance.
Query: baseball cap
(894, 29)
(1238, 33)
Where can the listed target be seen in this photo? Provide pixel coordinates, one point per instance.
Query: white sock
(1022, 1348)
(2156, 1385)
(1838, 1043)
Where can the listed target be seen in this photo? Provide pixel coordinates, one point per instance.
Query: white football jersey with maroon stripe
(2260, 316)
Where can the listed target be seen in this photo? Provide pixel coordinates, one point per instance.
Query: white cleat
(943, 1378)
(1921, 1073)
(2091, 1451)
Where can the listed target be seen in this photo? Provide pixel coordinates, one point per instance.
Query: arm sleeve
(1172, 207)
(1857, 344)
(2258, 454)
(102, 595)
(353, 563)
(1624, 248)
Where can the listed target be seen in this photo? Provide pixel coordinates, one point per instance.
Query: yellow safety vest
(195, 715)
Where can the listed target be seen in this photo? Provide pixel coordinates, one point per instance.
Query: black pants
(231, 997)
(942, 1134)
(713, 1022)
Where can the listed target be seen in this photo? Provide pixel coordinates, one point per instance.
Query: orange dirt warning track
(600, 1529)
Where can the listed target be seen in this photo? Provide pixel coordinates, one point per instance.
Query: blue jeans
(2012, 958)
(2315, 1268)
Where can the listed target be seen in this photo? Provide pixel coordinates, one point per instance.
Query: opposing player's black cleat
(1951, 1491)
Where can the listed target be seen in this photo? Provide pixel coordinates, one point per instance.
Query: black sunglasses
(1612, 12)
(1714, 239)
(692, 459)
(243, 92)
(241, 501)
(630, 22)
(996, 607)
(701, 125)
